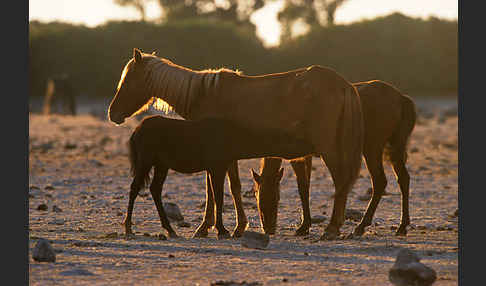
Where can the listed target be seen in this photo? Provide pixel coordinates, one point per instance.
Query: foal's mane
(172, 86)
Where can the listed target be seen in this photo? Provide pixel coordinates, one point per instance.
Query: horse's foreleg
(235, 187)
(217, 176)
(160, 173)
(343, 182)
(302, 171)
(208, 220)
(374, 163)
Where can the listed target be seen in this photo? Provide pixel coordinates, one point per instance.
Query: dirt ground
(79, 165)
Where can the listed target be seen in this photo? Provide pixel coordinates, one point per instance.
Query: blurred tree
(137, 4)
(311, 12)
(237, 11)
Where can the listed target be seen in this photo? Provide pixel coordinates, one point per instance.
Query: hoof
(329, 236)
(224, 234)
(357, 232)
(401, 231)
(301, 231)
(200, 233)
(129, 236)
(173, 235)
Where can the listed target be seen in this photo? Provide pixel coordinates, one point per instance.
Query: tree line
(416, 55)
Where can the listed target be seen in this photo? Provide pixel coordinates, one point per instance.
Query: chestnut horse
(209, 144)
(389, 118)
(314, 103)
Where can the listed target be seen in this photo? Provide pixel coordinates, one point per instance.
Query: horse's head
(130, 95)
(267, 193)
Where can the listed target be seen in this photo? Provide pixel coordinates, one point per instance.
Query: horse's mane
(174, 87)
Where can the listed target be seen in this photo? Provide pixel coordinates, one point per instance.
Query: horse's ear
(280, 174)
(256, 177)
(137, 55)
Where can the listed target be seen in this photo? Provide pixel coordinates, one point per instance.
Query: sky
(95, 12)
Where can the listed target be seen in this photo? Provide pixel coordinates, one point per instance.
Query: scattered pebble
(76, 272)
(161, 236)
(183, 224)
(56, 209)
(111, 235)
(173, 212)
(43, 251)
(318, 219)
(353, 214)
(42, 207)
(408, 271)
(49, 188)
(234, 283)
(256, 240)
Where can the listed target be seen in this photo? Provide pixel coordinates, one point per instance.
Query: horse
(209, 144)
(59, 96)
(389, 119)
(314, 103)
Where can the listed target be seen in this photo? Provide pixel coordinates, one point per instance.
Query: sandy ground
(79, 164)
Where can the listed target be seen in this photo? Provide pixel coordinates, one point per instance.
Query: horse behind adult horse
(389, 118)
(59, 96)
(315, 103)
(192, 146)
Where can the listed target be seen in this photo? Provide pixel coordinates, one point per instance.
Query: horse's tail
(352, 134)
(135, 156)
(396, 146)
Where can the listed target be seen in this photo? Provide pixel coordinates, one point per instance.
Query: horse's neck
(181, 88)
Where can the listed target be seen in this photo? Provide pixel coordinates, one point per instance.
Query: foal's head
(267, 193)
(130, 95)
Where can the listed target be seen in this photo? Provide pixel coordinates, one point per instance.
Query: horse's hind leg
(136, 185)
(208, 220)
(302, 169)
(403, 178)
(235, 187)
(374, 163)
(160, 173)
(217, 176)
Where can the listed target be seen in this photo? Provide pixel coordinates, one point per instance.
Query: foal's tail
(396, 147)
(135, 157)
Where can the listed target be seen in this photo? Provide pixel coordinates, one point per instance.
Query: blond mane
(174, 87)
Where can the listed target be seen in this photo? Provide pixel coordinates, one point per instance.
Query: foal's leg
(208, 220)
(235, 187)
(302, 171)
(217, 181)
(403, 178)
(160, 173)
(374, 163)
(137, 184)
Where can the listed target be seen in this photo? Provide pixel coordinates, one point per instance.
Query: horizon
(265, 19)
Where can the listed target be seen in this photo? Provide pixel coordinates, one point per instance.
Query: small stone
(161, 236)
(173, 212)
(318, 219)
(49, 188)
(171, 256)
(43, 251)
(256, 240)
(76, 272)
(56, 209)
(408, 271)
(353, 214)
(146, 234)
(111, 235)
(42, 207)
(183, 224)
